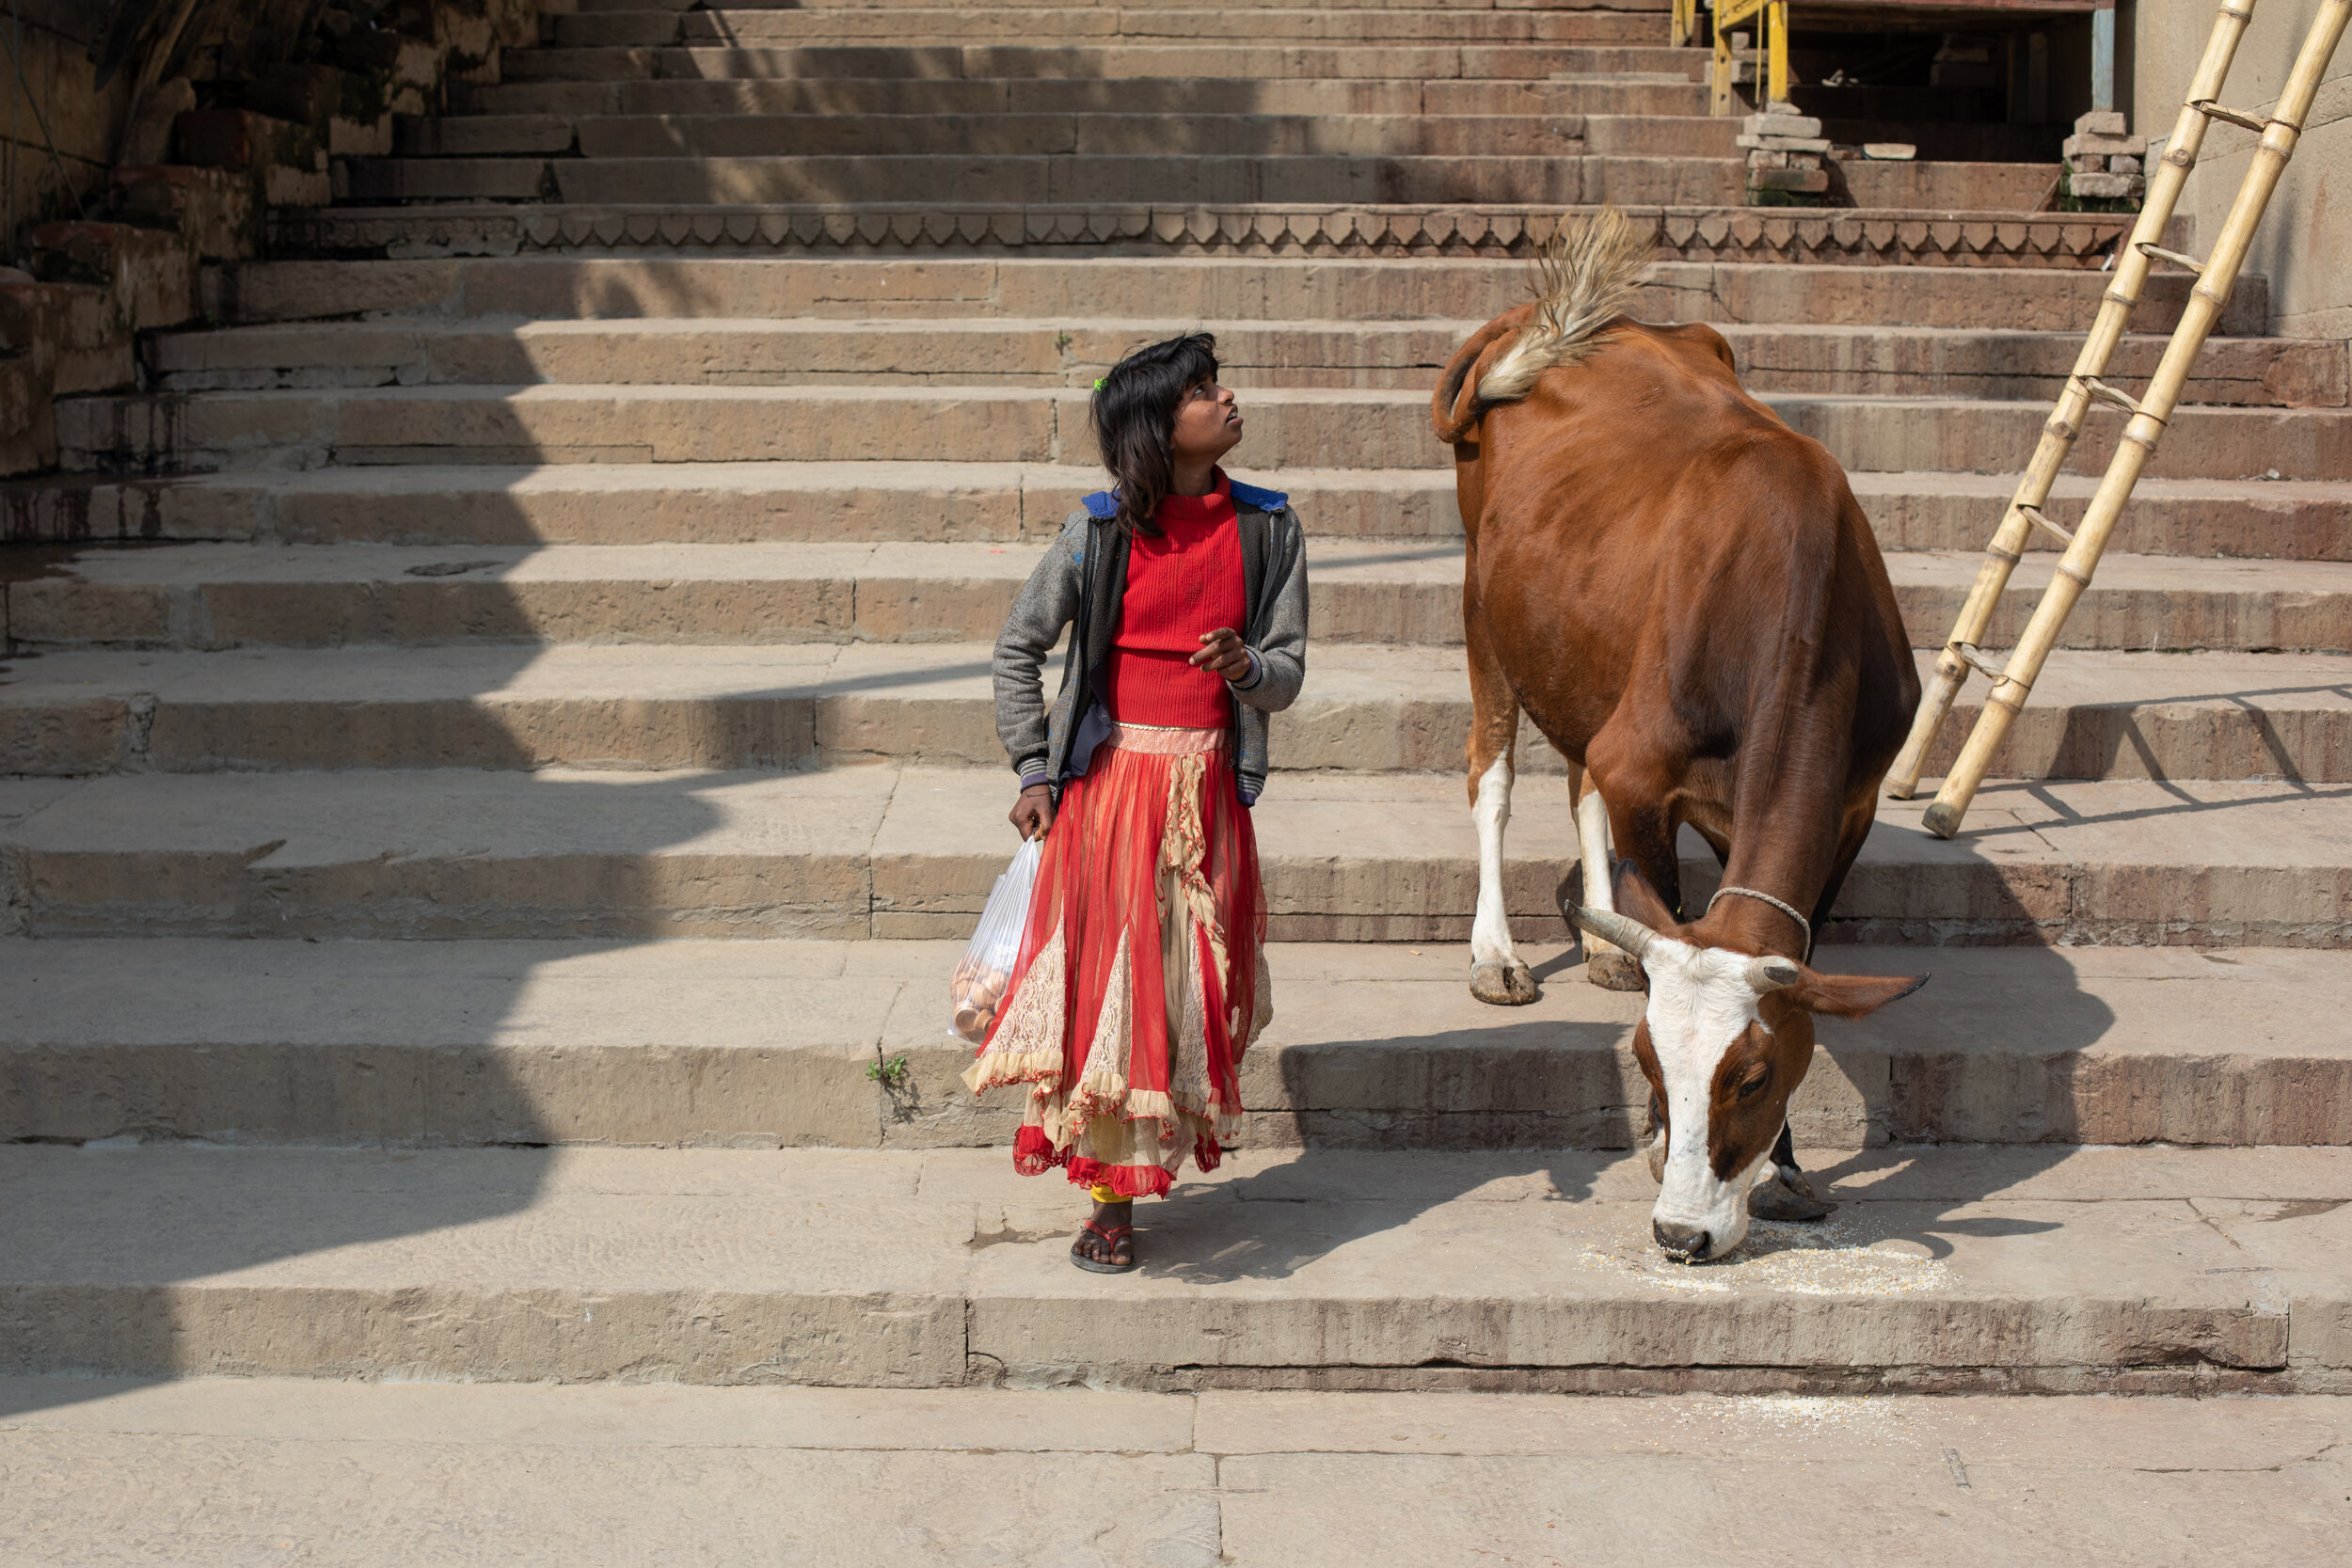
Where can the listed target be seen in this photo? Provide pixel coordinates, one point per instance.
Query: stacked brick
(2103, 164)
(192, 185)
(1786, 152)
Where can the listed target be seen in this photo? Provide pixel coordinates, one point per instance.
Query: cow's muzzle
(1689, 1242)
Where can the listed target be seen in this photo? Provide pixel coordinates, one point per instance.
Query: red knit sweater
(1180, 585)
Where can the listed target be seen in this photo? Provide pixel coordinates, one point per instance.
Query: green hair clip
(1098, 381)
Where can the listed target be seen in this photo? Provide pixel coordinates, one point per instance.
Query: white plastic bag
(976, 989)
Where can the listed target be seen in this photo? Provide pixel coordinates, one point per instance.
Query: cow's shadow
(1986, 1097)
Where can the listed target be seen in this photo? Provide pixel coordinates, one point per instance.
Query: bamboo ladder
(2149, 412)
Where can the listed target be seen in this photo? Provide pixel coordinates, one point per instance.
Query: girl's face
(1207, 423)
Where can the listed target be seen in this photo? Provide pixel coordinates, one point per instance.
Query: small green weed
(892, 1075)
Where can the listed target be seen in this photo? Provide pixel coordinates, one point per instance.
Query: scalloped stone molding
(1685, 233)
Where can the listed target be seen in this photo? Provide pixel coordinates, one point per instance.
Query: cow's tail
(1584, 279)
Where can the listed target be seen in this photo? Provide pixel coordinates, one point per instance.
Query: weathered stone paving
(405, 1473)
(548, 707)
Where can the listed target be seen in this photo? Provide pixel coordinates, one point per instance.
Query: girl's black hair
(1135, 421)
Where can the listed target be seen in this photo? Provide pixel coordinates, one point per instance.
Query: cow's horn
(1772, 972)
(1621, 930)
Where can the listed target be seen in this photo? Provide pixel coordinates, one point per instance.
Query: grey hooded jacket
(1083, 579)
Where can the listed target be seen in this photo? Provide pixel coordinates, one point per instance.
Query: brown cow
(1682, 595)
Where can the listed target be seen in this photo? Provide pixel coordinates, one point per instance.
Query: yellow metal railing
(1682, 27)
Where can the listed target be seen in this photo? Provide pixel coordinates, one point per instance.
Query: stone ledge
(1369, 707)
(840, 420)
(1402, 594)
(619, 503)
(854, 853)
(743, 1045)
(1946, 1270)
(1712, 235)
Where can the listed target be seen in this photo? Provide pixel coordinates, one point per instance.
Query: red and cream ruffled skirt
(1142, 977)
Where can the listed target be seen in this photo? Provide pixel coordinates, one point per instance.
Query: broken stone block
(1780, 125)
(148, 138)
(2104, 147)
(213, 207)
(1890, 151)
(2086, 164)
(149, 269)
(1764, 159)
(2099, 122)
(1785, 144)
(239, 138)
(2125, 166)
(2102, 187)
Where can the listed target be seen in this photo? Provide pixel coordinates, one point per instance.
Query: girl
(1141, 978)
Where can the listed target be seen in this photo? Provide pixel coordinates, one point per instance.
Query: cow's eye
(1755, 1083)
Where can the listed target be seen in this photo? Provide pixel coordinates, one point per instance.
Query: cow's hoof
(1781, 1199)
(1613, 970)
(1504, 985)
(1658, 1160)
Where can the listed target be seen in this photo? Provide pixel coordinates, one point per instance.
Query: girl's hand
(1033, 813)
(1222, 651)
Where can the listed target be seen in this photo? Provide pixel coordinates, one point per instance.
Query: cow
(1682, 596)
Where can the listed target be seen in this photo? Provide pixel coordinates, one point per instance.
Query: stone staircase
(547, 706)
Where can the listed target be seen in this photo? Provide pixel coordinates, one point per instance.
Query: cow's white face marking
(1700, 1004)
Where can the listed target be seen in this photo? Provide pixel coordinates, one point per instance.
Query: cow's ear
(1636, 898)
(1849, 995)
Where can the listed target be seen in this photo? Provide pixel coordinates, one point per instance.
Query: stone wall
(211, 112)
(50, 39)
(2305, 243)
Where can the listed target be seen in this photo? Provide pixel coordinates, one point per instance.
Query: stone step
(888, 851)
(645, 503)
(952, 226)
(684, 351)
(1896, 361)
(1175, 179)
(1271, 26)
(1308, 60)
(2285, 520)
(1939, 433)
(1165, 95)
(1366, 706)
(766, 1044)
(1882, 361)
(1946, 1270)
(1653, 11)
(993, 135)
(1127, 132)
(642, 1472)
(1336, 427)
(1051, 180)
(1381, 293)
(1407, 593)
(625, 504)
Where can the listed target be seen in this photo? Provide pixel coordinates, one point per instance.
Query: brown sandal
(1111, 1236)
